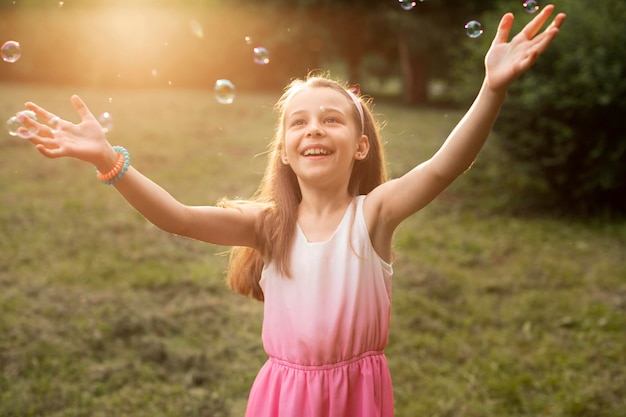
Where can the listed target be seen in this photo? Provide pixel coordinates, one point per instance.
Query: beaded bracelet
(119, 169)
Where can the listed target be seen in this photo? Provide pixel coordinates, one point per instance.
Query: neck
(321, 203)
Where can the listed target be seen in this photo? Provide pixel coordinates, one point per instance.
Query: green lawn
(497, 311)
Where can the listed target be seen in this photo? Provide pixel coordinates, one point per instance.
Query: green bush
(563, 120)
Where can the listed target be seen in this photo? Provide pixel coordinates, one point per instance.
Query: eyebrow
(326, 109)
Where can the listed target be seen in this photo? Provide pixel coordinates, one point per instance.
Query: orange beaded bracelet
(119, 169)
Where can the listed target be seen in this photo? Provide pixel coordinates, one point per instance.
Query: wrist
(495, 90)
(119, 168)
(497, 95)
(106, 161)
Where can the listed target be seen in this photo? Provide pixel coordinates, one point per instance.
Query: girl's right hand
(57, 137)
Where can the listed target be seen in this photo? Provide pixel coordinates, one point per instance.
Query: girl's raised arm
(86, 141)
(504, 63)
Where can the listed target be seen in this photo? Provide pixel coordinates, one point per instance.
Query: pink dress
(325, 329)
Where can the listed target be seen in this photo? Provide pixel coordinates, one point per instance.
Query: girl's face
(322, 137)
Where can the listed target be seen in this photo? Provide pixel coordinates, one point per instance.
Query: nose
(314, 130)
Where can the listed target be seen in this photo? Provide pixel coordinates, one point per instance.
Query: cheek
(289, 143)
(287, 148)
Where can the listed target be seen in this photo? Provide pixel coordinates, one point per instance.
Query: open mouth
(316, 152)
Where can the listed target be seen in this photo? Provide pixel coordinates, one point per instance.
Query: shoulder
(379, 226)
(376, 205)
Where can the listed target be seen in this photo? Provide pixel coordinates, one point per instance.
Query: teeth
(315, 151)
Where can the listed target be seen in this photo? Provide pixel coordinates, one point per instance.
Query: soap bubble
(531, 6)
(407, 4)
(196, 29)
(261, 55)
(224, 91)
(11, 51)
(14, 124)
(248, 40)
(473, 28)
(106, 121)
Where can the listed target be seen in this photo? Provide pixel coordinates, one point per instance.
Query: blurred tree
(413, 43)
(426, 37)
(563, 120)
(97, 41)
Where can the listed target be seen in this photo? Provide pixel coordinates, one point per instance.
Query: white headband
(359, 107)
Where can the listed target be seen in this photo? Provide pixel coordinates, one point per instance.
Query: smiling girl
(315, 240)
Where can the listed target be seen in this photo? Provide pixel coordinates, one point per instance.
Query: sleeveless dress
(325, 329)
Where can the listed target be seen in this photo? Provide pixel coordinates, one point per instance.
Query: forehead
(317, 98)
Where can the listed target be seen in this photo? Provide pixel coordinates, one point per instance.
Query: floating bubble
(224, 91)
(261, 55)
(11, 51)
(14, 124)
(531, 6)
(248, 40)
(196, 29)
(407, 4)
(473, 28)
(61, 3)
(106, 121)
(54, 122)
(29, 113)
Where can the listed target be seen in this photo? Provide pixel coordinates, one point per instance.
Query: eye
(296, 122)
(332, 120)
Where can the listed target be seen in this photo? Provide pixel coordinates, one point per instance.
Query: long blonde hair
(279, 192)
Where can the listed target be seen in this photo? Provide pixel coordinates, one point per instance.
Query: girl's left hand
(60, 138)
(506, 61)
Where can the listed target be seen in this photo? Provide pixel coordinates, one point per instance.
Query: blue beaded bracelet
(126, 155)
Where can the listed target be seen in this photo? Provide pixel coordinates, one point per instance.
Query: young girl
(315, 241)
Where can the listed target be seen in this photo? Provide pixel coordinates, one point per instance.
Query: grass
(496, 312)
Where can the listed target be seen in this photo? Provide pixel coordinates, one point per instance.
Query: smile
(316, 151)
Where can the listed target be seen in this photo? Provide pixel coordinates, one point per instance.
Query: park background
(509, 290)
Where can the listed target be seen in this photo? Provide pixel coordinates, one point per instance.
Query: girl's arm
(505, 61)
(86, 141)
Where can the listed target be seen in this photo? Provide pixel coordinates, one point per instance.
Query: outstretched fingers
(46, 125)
(50, 152)
(81, 108)
(504, 28)
(42, 114)
(535, 25)
(544, 39)
(557, 22)
(54, 122)
(57, 137)
(47, 143)
(538, 43)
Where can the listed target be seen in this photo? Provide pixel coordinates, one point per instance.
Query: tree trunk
(414, 67)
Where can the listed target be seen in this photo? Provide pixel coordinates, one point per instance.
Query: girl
(315, 241)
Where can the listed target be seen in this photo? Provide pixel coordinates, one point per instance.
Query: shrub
(563, 120)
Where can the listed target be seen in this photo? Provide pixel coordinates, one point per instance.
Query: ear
(362, 148)
(283, 156)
